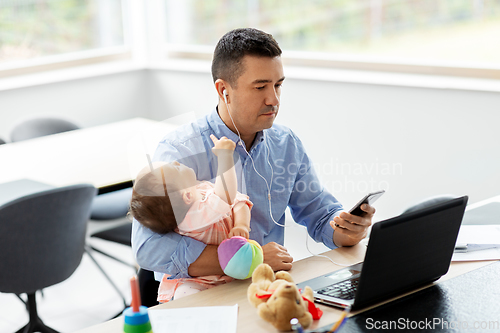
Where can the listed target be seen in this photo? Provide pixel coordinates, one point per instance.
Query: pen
(464, 248)
(340, 322)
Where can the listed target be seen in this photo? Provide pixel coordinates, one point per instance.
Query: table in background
(103, 155)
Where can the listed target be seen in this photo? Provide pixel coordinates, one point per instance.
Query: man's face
(254, 103)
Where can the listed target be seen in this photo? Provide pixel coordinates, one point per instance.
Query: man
(273, 168)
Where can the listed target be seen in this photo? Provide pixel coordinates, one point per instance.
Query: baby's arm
(225, 183)
(241, 216)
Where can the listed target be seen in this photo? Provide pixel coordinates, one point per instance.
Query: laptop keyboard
(343, 290)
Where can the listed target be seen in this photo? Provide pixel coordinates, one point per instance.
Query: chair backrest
(428, 202)
(42, 237)
(37, 127)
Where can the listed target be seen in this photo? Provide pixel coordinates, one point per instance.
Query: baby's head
(161, 197)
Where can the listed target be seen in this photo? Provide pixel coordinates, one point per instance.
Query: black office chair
(428, 202)
(42, 240)
(42, 126)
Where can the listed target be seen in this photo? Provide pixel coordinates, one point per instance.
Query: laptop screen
(409, 250)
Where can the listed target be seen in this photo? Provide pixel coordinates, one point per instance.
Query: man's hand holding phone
(351, 227)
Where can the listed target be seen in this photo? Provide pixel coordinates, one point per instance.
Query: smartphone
(370, 198)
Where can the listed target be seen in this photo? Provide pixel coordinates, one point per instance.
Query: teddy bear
(278, 299)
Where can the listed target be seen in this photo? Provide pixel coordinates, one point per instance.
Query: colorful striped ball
(239, 257)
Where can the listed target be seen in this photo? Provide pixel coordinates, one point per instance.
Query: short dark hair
(236, 44)
(160, 212)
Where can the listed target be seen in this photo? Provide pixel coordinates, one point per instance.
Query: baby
(170, 193)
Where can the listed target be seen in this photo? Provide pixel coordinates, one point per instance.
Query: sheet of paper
(478, 234)
(220, 319)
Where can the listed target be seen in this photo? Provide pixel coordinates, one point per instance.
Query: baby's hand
(222, 144)
(239, 231)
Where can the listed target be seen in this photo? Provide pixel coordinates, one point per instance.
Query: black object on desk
(455, 305)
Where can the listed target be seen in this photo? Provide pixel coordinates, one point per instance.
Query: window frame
(64, 61)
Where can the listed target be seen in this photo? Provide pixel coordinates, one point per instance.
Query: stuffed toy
(239, 257)
(278, 300)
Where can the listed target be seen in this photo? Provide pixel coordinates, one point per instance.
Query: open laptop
(403, 253)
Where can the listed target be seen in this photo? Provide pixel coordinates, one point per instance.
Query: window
(41, 29)
(442, 37)
(453, 37)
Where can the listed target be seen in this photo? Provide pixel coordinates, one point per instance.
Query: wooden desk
(101, 155)
(248, 320)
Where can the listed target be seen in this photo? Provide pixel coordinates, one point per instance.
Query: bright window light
(441, 31)
(31, 29)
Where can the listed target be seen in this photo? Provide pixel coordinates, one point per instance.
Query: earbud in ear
(224, 92)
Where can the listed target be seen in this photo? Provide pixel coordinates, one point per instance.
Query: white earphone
(224, 92)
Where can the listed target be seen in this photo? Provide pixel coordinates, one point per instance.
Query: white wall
(425, 142)
(413, 142)
(87, 102)
(174, 93)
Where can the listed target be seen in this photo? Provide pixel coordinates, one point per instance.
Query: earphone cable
(323, 256)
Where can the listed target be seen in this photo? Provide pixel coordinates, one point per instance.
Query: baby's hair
(153, 207)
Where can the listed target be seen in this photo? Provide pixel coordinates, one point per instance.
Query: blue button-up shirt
(278, 156)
